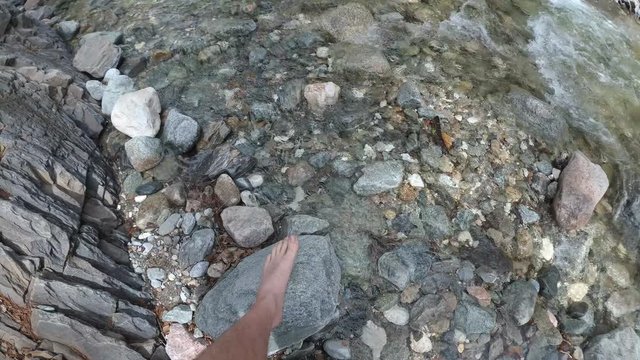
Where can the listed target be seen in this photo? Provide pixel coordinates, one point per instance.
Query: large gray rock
(520, 301)
(97, 55)
(248, 226)
(85, 339)
(310, 303)
(197, 248)
(144, 152)
(619, 344)
(180, 131)
(581, 186)
(379, 177)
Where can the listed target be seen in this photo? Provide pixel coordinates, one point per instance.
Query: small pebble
(147, 248)
(415, 180)
(140, 198)
(256, 180)
(199, 270)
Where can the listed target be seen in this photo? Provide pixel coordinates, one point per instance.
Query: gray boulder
(180, 131)
(310, 303)
(619, 344)
(248, 226)
(581, 186)
(144, 152)
(96, 55)
(197, 248)
(379, 177)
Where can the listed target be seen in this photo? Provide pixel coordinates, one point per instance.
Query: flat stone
(314, 286)
(405, 264)
(197, 248)
(135, 322)
(290, 95)
(188, 223)
(209, 164)
(96, 56)
(15, 338)
(527, 216)
(472, 319)
(180, 132)
(169, 225)
(520, 301)
(621, 343)
(230, 27)
(379, 177)
(90, 342)
(227, 191)
(248, 226)
(199, 269)
(137, 113)
(397, 315)
(149, 188)
(337, 349)
(304, 225)
(181, 314)
(181, 345)
(144, 152)
(176, 194)
(581, 186)
(321, 95)
(117, 86)
(375, 337)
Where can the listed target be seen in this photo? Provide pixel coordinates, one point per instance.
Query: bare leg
(248, 338)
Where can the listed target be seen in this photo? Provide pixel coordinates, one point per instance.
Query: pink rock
(582, 184)
(181, 345)
(321, 95)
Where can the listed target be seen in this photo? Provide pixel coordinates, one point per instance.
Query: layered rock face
(63, 263)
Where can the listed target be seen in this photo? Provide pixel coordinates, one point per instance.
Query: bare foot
(275, 276)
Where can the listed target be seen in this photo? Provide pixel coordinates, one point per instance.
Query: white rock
(577, 292)
(415, 180)
(147, 248)
(139, 198)
(322, 52)
(321, 95)
(397, 315)
(473, 120)
(118, 86)
(110, 74)
(406, 157)
(144, 235)
(256, 180)
(95, 89)
(546, 249)
(137, 113)
(374, 337)
(422, 345)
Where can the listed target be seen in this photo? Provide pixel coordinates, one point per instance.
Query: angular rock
(291, 93)
(180, 131)
(621, 343)
(137, 113)
(405, 264)
(300, 173)
(227, 191)
(85, 339)
(409, 96)
(68, 29)
(321, 95)
(365, 59)
(150, 210)
(433, 311)
(117, 86)
(209, 164)
(304, 225)
(248, 226)
(176, 194)
(379, 177)
(197, 248)
(520, 301)
(437, 225)
(472, 319)
(527, 216)
(310, 304)
(134, 322)
(581, 186)
(97, 55)
(180, 314)
(169, 225)
(144, 152)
